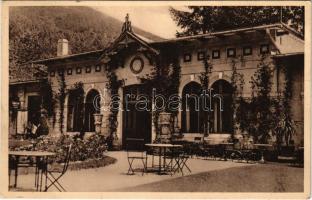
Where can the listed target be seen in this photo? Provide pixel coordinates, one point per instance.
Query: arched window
(222, 120)
(92, 106)
(192, 110)
(75, 111)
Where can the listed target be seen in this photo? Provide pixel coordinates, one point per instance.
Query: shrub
(90, 148)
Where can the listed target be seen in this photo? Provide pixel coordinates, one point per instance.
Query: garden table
(162, 152)
(262, 148)
(41, 156)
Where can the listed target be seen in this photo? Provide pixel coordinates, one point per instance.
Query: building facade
(132, 57)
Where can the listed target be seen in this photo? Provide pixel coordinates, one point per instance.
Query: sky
(156, 20)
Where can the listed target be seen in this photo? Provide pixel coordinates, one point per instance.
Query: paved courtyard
(206, 175)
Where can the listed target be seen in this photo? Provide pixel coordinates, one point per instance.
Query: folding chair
(180, 157)
(136, 151)
(152, 152)
(184, 158)
(173, 155)
(51, 173)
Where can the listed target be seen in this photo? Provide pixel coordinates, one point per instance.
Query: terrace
(212, 170)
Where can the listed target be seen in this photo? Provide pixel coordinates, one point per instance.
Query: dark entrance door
(136, 121)
(34, 103)
(223, 120)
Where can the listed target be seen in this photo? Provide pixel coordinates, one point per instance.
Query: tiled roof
(72, 56)
(149, 42)
(26, 73)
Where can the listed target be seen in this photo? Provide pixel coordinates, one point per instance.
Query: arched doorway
(137, 118)
(192, 110)
(74, 112)
(222, 120)
(92, 106)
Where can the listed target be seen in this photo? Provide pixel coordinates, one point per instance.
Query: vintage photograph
(162, 98)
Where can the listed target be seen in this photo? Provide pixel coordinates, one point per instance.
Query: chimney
(62, 47)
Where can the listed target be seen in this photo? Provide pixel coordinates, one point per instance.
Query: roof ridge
(68, 56)
(295, 32)
(232, 31)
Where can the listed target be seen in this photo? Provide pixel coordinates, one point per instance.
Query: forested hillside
(34, 32)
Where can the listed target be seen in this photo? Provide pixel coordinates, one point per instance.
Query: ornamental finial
(127, 24)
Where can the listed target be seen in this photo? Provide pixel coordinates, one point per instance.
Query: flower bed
(86, 153)
(92, 148)
(90, 163)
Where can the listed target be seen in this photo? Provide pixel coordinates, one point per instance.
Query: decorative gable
(127, 42)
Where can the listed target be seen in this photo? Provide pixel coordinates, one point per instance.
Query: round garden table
(162, 152)
(41, 156)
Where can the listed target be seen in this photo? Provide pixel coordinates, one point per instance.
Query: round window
(136, 65)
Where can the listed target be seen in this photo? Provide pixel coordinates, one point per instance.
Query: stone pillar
(21, 117)
(98, 122)
(165, 127)
(56, 132)
(153, 128)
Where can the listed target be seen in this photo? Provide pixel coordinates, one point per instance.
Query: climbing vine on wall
(237, 82)
(113, 85)
(48, 98)
(260, 114)
(285, 127)
(204, 80)
(175, 79)
(61, 98)
(204, 76)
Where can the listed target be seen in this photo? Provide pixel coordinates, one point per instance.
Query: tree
(258, 116)
(34, 32)
(205, 19)
(285, 128)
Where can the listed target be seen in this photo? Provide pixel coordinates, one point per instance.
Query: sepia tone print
(103, 101)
